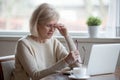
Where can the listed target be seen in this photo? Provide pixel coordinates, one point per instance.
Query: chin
(48, 37)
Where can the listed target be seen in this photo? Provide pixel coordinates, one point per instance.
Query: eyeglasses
(77, 46)
(48, 25)
(51, 25)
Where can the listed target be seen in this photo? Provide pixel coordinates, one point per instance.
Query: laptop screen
(103, 59)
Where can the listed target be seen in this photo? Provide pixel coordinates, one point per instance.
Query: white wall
(8, 44)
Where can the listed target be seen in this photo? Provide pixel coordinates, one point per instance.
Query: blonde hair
(42, 15)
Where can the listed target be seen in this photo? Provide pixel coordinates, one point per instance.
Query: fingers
(61, 29)
(72, 57)
(59, 26)
(76, 55)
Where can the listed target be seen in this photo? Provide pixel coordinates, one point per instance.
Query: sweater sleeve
(72, 47)
(60, 50)
(28, 62)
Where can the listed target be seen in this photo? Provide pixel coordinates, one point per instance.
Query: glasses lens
(50, 25)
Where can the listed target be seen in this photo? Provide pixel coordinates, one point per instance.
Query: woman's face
(46, 31)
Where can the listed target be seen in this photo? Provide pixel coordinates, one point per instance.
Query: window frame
(72, 33)
(82, 34)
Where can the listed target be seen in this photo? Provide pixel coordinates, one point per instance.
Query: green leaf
(93, 21)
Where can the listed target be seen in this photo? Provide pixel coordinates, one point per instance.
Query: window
(15, 14)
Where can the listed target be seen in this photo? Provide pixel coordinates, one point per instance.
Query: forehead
(52, 22)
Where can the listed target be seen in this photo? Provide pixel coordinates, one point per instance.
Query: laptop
(103, 59)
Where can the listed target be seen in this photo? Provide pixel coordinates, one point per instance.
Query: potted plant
(93, 24)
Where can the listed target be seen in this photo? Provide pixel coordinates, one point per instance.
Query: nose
(52, 28)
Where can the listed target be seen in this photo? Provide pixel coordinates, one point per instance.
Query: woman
(39, 54)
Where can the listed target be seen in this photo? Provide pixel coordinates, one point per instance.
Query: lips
(50, 33)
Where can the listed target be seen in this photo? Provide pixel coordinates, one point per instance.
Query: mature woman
(39, 54)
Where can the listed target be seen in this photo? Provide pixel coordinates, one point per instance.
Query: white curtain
(113, 24)
(118, 19)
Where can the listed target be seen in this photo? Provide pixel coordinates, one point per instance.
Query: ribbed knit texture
(36, 60)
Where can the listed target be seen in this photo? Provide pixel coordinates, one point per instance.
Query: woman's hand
(63, 31)
(73, 57)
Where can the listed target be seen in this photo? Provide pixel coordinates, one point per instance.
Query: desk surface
(59, 76)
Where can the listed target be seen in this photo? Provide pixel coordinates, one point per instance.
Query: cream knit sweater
(36, 60)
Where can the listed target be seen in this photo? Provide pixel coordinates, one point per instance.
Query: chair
(6, 66)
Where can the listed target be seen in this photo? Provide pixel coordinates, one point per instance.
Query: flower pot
(93, 31)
